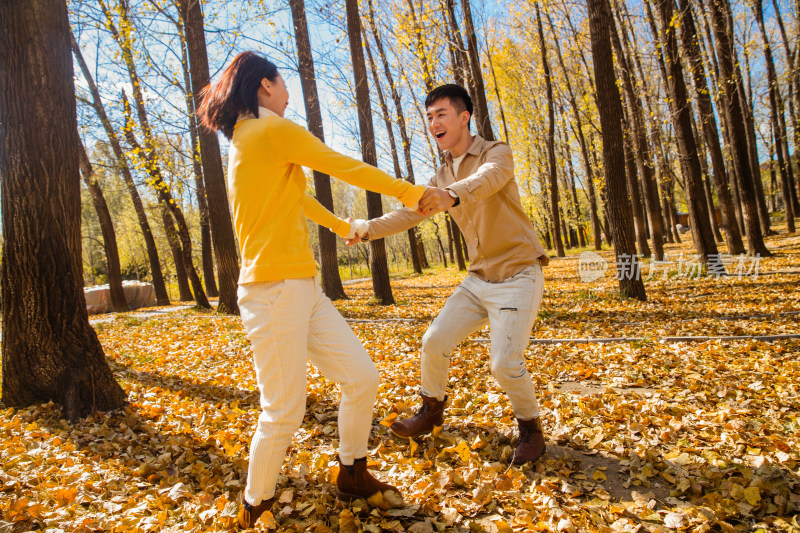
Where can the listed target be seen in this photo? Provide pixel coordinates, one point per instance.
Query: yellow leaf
(389, 420)
(599, 476)
(752, 495)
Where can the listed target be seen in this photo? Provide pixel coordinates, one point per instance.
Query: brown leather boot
(430, 417)
(531, 441)
(249, 514)
(355, 481)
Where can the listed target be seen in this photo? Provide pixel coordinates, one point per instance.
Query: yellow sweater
(266, 187)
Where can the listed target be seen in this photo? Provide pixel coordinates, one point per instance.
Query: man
(504, 286)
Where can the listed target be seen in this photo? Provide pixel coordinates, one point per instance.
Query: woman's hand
(358, 231)
(435, 200)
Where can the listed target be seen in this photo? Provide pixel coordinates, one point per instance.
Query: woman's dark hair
(235, 92)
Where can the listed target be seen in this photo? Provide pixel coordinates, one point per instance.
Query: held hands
(435, 200)
(358, 231)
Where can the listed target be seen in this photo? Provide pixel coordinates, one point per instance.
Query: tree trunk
(609, 107)
(794, 87)
(148, 152)
(387, 120)
(413, 237)
(150, 160)
(455, 234)
(150, 244)
(578, 129)
(497, 94)
(732, 107)
(213, 174)
(379, 265)
(458, 54)
(632, 180)
(118, 302)
(181, 272)
(206, 247)
(702, 234)
(49, 350)
(442, 251)
(482, 122)
(329, 263)
(576, 207)
(777, 120)
(550, 139)
(750, 130)
(691, 48)
(644, 158)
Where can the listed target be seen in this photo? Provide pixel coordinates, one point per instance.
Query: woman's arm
(299, 146)
(319, 214)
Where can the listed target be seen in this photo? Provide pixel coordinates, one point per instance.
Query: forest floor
(681, 413)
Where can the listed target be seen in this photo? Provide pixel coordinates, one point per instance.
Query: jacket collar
(474, 148)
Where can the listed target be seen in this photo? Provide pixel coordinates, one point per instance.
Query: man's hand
(435, 200)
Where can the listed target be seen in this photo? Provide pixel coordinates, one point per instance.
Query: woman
(287, 317)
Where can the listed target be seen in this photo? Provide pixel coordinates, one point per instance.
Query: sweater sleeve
(319, 214)
(300, 146)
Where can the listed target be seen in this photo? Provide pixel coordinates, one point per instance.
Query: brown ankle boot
(430, 417)
(249, 514)
(355, 481)
(531, 441)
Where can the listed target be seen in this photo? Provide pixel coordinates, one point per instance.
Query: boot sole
(435, 432)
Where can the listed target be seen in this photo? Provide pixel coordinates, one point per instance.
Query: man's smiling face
(447, 124)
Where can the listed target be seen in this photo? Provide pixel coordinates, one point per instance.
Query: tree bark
(412, 238)
(777, 119)
(691, 47)
(610, 110)
(732, 105)
(702, 233)
(378, 261)
(578, 129)
(458, 54)
(148, 153)
(794, 87)
(150, 161)
(181, 273)
(481, 107)
(213, 174)
(454, 232)
(644, 158)
(206, 247)
(746, 95)
(329, 263)
(49, 350)
(118, 302)
(550, 139)
(150, 244)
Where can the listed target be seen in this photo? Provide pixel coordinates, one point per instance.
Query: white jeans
(510, 308)
(288, 322)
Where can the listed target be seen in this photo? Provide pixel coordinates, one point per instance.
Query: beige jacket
(500, 237)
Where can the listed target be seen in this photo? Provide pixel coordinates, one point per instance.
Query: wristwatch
(454, 196)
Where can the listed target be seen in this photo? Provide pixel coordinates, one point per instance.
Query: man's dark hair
(458, 96)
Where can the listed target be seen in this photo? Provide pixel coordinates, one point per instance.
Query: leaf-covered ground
(642, 436)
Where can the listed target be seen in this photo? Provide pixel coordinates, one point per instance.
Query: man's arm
(393, 222)
(487, 179)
